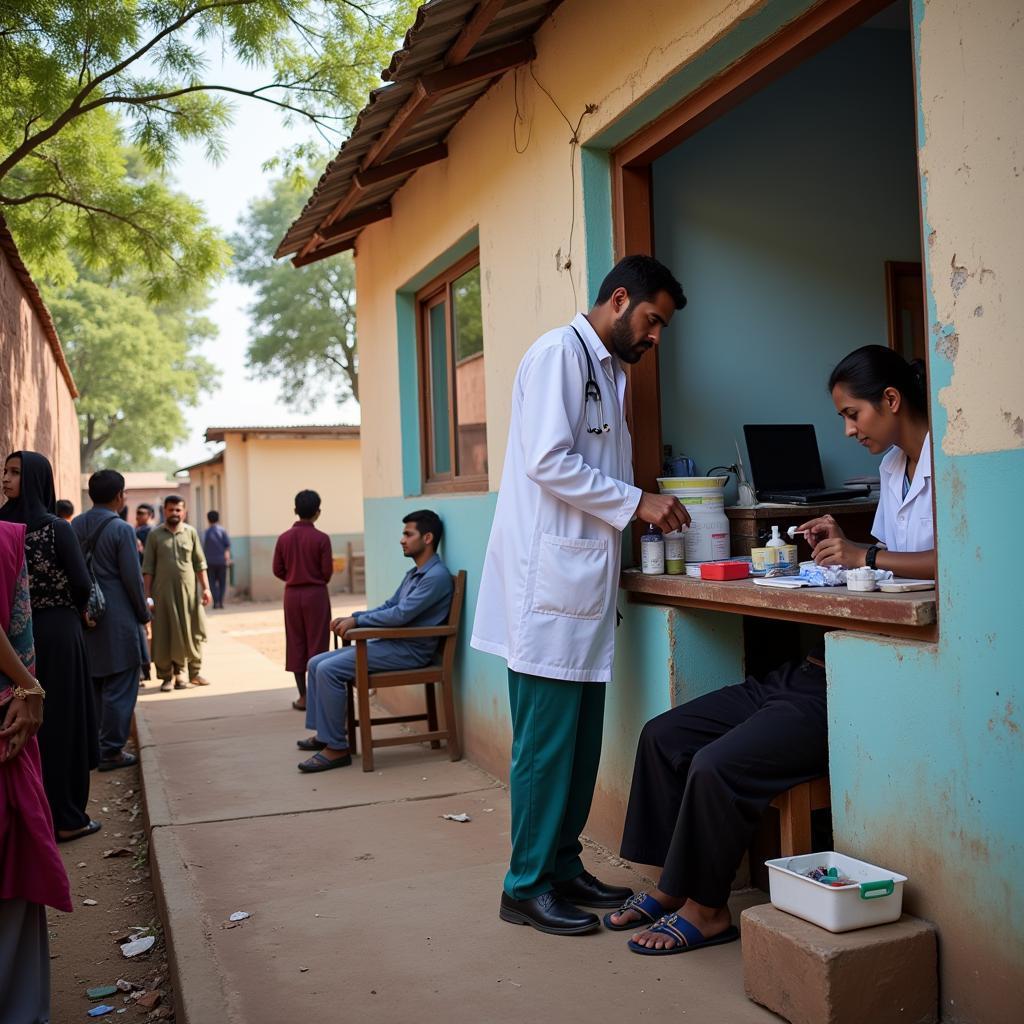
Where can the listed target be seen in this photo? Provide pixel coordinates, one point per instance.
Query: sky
(225, 189)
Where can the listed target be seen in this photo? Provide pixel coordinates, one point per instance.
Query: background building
(252, 482)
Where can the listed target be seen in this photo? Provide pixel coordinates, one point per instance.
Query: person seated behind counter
(706, 771)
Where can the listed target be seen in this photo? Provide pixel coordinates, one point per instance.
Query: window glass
(441, 455)
(471, 407)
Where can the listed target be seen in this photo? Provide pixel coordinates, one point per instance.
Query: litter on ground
(137, 946)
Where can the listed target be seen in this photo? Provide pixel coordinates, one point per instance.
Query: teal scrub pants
(556, 748)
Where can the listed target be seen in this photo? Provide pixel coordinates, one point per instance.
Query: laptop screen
(784, 457)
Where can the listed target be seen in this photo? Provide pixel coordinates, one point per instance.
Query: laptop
(786, 467)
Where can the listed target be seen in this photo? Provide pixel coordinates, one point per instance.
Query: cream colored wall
(200, 481)
(972, 92)
(521, 203)
(264, 474)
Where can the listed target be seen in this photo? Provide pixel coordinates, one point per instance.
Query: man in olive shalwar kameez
(174, 572)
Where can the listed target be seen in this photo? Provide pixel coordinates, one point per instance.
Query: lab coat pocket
(571, 577)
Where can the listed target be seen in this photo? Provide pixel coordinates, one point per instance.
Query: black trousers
(218, 583)
(707, 770)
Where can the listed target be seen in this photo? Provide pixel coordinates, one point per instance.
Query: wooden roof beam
(489, 65)
(403, 165)
(427, 90)
(370, 215)
(324, 251)
(485, 13)
(430, 88)
(347, 227)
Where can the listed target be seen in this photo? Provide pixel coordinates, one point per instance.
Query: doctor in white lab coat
(550, 578)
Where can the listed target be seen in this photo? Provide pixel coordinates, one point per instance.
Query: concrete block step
(882, 975)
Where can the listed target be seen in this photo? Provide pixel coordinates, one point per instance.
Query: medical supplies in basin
(707, 537)
(874, 895)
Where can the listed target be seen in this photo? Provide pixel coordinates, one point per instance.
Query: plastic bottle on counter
(785, 558)
(652, 552)
(675, 553)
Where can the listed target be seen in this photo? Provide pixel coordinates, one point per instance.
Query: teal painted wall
(481, 689)
(778, 219)
(926, 741)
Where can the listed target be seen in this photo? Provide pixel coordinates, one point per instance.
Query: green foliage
(304, 319)
(469, 325)
(85, 83)
(135, 368)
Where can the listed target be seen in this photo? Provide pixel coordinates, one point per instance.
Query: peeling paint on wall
(972, 96)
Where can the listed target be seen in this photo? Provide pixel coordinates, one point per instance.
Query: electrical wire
(574, 142)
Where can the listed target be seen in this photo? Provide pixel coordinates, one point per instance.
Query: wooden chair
(439, 674)
(795, 807)
(356, 569)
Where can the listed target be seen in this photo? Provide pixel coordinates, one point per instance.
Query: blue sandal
(641, 903)
(687, 937)
(322, 763)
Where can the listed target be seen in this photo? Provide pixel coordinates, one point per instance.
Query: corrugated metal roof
(427, 44)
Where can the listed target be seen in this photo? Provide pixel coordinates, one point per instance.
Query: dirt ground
(85, 945)
(261, 624)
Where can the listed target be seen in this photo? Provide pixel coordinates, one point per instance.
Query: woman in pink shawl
(32, 875)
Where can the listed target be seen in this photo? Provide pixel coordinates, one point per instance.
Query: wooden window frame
(439, 289)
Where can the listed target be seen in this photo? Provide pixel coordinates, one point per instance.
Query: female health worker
(707, 770)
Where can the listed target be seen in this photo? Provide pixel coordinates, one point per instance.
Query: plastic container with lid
(703, 497)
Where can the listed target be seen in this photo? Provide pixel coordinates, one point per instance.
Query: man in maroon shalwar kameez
(302, 558)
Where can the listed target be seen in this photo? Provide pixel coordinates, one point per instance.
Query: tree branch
(74, 108)
(154, 98)
(78, 105)
(88, 208)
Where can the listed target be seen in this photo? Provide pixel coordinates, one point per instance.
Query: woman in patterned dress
(31, 873)
(59, 588)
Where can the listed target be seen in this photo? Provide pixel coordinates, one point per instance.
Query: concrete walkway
(366, 904)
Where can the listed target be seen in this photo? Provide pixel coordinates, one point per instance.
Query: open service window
(784, 194)
(451, 367)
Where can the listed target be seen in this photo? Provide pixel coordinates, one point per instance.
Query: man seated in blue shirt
(423, 599)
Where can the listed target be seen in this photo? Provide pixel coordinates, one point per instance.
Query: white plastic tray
(874, 897)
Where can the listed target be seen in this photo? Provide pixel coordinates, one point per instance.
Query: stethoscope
(591, 393)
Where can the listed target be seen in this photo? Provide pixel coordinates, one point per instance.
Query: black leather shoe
(588, 891)
(548, 913)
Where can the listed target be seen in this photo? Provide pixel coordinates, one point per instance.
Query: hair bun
(917, 368)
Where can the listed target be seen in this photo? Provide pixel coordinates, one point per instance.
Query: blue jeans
(327, 680)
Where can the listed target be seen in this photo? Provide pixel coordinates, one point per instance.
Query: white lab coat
(905, 524)
(550, 578)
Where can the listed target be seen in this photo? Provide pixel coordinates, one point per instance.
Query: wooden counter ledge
(904, 615)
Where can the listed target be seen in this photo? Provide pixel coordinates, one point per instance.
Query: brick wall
(37, 396)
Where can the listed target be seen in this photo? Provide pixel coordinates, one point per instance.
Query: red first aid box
(725, 570)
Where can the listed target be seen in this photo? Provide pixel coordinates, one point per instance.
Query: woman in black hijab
(59, 588)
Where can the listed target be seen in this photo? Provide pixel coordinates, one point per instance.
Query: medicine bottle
(652, 551)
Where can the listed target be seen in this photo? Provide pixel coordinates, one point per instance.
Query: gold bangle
(37, 691)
